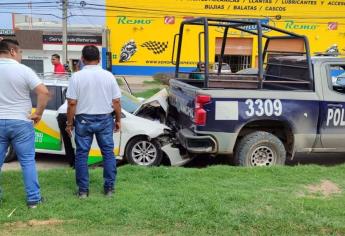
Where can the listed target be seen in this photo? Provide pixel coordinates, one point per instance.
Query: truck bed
(281, 73)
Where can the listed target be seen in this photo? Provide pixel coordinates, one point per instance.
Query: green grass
(148, 93)
(219, 200)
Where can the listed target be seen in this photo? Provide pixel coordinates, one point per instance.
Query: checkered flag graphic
(155, 46)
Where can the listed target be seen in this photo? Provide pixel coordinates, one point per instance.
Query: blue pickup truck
(289, 103)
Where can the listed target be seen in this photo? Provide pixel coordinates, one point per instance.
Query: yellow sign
(142, 31)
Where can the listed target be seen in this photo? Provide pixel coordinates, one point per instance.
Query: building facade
(142, 32)
(40, 39)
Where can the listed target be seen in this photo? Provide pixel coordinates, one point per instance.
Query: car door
(332, 128)
(47, 133)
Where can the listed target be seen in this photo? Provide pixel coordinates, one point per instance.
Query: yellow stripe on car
(44, 128)
(97, 152)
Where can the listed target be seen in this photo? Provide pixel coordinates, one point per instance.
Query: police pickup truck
(289, 103)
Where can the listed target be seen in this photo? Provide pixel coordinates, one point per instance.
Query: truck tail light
(199, 112)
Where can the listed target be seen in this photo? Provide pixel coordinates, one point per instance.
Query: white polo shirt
(94, 89)
(16, 82)
(63, 108)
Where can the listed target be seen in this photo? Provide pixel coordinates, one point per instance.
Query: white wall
(74, 52)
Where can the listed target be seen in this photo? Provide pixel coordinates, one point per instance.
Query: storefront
(142, 36)
(52, 43)
(38, 46)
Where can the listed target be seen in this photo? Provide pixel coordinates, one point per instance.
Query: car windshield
(128, 102)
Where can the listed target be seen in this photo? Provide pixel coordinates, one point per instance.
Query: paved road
(300, 159)
(45, 161)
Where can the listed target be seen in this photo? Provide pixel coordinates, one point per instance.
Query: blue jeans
(86, 126)
(21, 135)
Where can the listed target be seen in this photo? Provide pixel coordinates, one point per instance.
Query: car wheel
(141, 151)
(260, 149)
(10, 154)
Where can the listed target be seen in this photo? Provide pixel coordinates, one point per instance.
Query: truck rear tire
(260, 149)
(10, 155)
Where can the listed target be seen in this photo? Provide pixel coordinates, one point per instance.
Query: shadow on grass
(202, 161)
(323, 159)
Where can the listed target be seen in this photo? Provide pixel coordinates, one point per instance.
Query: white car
(141, 141)
(225, 68)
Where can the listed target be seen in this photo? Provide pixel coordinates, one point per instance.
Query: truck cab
(288, 103)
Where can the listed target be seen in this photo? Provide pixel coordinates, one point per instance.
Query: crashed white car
(143, 140)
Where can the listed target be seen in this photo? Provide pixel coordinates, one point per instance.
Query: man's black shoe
(109, 192)
(33, 205)
(82, 195)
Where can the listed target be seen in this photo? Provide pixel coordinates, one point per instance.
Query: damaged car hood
(157, 100)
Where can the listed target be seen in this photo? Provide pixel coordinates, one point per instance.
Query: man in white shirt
(16, 119)
(93, 94)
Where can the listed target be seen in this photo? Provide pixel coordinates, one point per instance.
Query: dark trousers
(86, 126)
(62, 118)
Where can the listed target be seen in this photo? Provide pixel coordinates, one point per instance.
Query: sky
(51, 10)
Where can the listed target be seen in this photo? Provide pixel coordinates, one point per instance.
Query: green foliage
(148, 93)
(163, 77)
(219, 200)
(152, 82)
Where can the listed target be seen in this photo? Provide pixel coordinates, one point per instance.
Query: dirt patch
(326, 188)
(32, 223)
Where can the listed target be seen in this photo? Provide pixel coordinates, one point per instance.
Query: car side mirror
(340, 81)
(339, 84)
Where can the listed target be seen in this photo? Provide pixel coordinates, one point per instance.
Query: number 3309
(264, 107)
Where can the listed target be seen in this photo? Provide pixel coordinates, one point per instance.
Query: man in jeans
(93, 94)
(16, 120)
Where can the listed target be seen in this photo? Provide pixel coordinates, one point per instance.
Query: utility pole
(64, 31)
